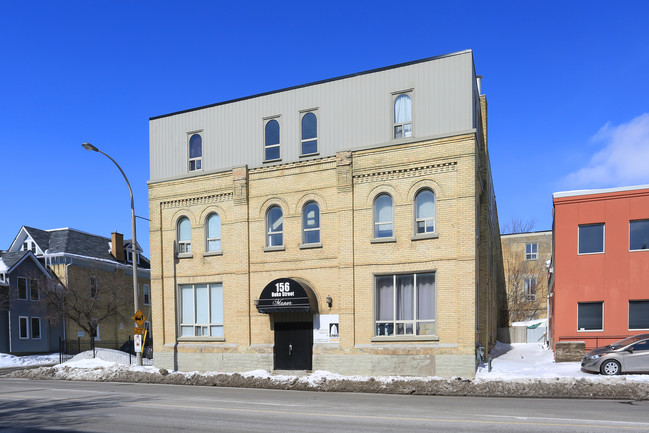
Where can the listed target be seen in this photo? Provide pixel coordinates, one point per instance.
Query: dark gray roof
(76, 242)
(11, 258)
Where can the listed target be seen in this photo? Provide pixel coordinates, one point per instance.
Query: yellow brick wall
(344, 266)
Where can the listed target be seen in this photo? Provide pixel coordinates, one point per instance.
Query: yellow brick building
(348, 225)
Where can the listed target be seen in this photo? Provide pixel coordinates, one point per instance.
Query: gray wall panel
(353, 112)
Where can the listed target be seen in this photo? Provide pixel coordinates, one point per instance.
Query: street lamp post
(136, 302)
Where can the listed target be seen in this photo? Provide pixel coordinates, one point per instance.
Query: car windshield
(625, 342)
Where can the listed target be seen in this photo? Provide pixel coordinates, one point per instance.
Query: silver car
(630, 355)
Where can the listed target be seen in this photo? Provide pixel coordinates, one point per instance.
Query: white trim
(597, 191)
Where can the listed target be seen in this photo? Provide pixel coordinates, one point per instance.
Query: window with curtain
(184, 236)
(405, 304)
(425, 212)
(195, 152)
(213, 238)
(271, 140)
(201, 311)
(383, 216)
(274, 227)
(309, 134)
(590, 316)
(311, 223)
(402, 116)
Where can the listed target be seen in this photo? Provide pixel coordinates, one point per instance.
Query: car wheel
(610, 368)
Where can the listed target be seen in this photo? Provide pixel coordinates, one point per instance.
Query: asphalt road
(43, 406)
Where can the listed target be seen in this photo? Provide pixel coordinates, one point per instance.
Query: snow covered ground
(510, 362)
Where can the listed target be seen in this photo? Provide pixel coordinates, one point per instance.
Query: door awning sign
(286, 295)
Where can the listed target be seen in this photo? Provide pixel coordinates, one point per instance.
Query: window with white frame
(530, 289)
(271, 140)
(405, 304)
(383, 216)
(639, 314)
(34, 290)
(311, 223)
(36, 328)
(23, 288)
(195, 152)
(590, 316)
(402, 116)
(201, 311)
(184, 236)
(213, 235)
(531, 251)
(23, 327)
(274, 227)
(93, 286)
(591, 238)
(639, 235)
(146, 292)
(425, 212)
(309, 133)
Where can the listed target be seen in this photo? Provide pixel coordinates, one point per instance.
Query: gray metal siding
(353, 112)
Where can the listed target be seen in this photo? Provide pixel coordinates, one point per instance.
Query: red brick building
(599, 291)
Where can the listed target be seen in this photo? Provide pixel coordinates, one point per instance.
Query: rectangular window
(402, 108)
(639, 235)
(147, 294)
(530, 289)
(638, 315)
(23, 327)
(405, 304)
(93, 287)
(590, 316)
(201, 312)
(36, 328)
(531, 251)
(34, 292)
(591, 238)
(22, 288)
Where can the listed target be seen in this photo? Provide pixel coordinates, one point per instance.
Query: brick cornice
(405, 172)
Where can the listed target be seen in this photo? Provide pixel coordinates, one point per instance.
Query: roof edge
(579, 192)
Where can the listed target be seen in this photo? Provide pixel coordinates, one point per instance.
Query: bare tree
(87, 300)
(525, 278)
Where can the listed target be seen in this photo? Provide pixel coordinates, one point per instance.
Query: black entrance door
(293, 345)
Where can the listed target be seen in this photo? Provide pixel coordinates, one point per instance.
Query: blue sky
(567, 85)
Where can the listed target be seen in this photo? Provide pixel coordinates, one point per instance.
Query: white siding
(353, 112)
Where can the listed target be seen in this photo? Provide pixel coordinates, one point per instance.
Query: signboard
(139, 318)
(284, 295)
(139, 331)
(137, 343)
(326, 328)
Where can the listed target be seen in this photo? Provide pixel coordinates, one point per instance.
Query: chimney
(117, 246)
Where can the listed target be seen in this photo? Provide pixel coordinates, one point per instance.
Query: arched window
(195, 152)
(383, 216)
(271, 140)
(213, 235)
(309, 134)
(402, 116)
(425, 212)
(274, 227)
(311, 223)
(184, 236)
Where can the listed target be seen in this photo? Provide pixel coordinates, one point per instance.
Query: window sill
(404, 338)
(309, 246)
(421, 236)
(271, 160)
(212, 253)
(383, 240)
(277, 248)
(184, 256)
(200, 339)
(306, 155)
(590, 330)
(590, 254)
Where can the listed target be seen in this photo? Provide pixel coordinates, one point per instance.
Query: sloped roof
(10, 259)
(71, 241)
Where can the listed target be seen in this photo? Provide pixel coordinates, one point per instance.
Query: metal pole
(136, 302)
